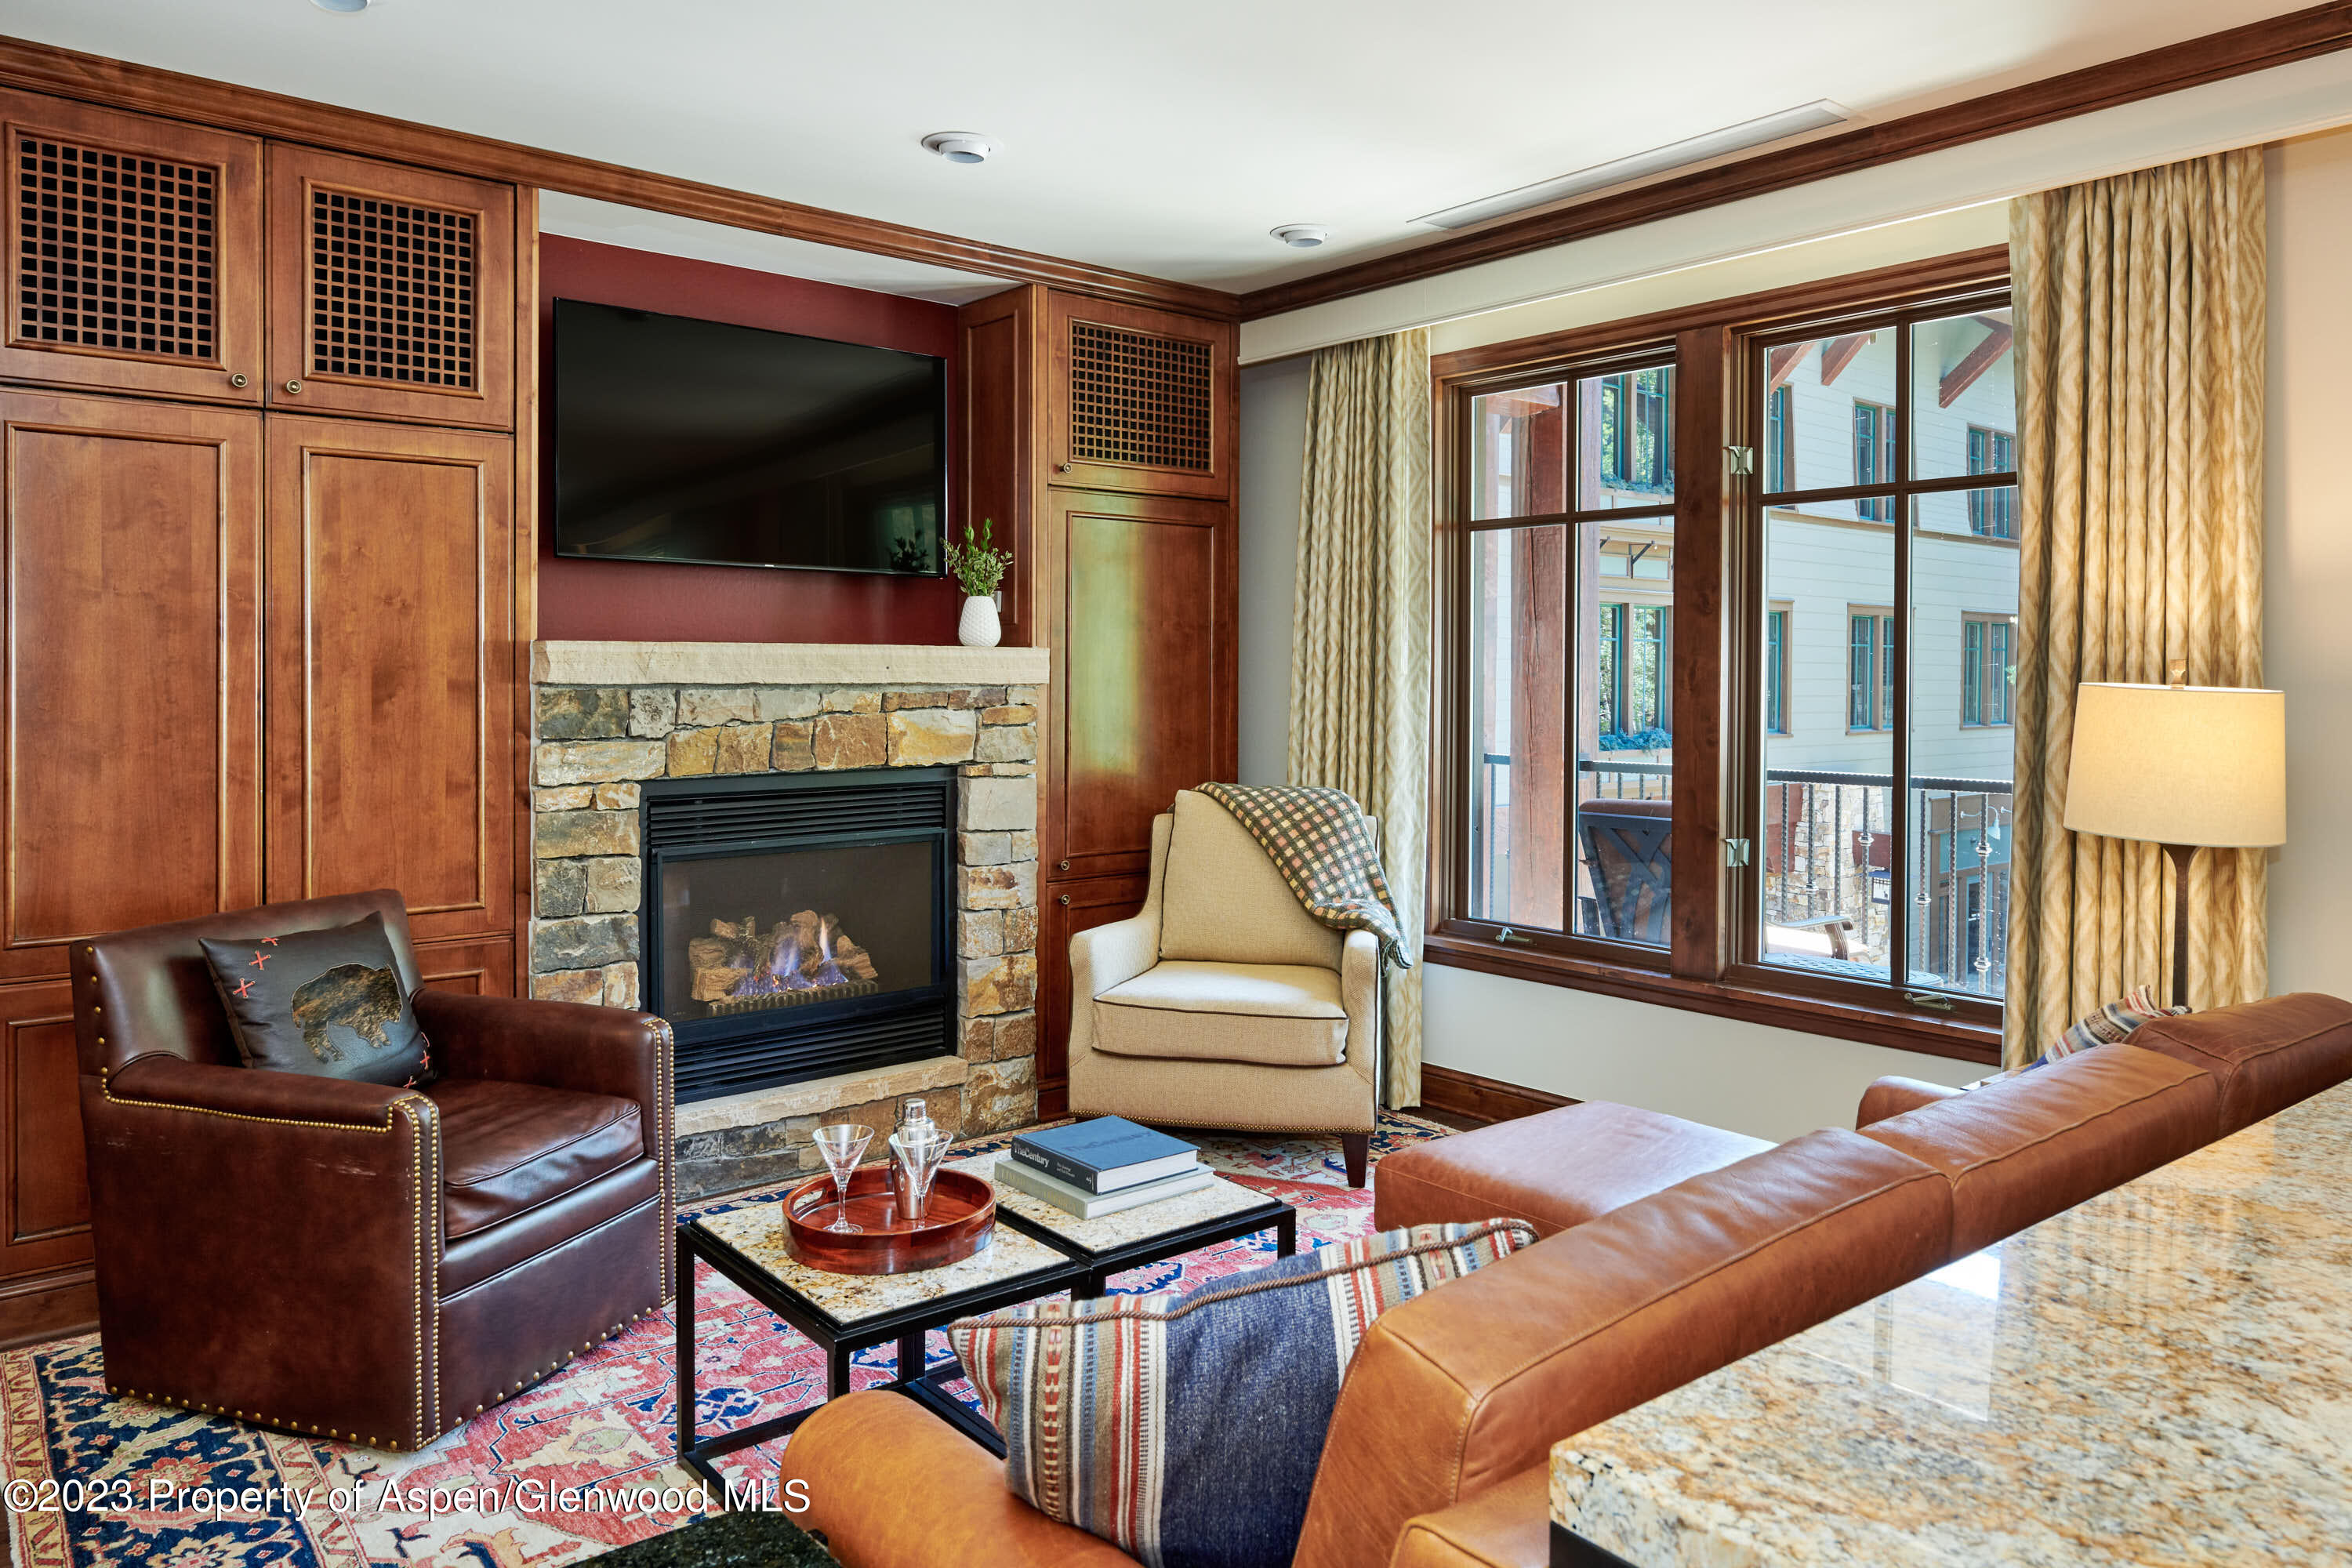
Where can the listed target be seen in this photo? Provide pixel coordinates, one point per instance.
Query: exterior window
(1637, 435)
(1874, 457)
(1609, 669)
(1870, 671)
(1988, 673)
(1778, 434)
(1776, 671)
(1992, 512)
(1645, 686)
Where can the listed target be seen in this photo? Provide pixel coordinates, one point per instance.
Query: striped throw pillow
(1186, 1429)
(2114, 1022)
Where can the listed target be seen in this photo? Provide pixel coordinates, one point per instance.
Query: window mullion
(1899, 951)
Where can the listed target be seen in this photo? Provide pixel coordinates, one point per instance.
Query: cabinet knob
(236, 378)
(1062, 866)
(293, 386)
(1062, 467)
(1065, 901)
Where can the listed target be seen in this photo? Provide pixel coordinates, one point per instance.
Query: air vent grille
(115, 251)
(1137, 397)
(817, 812)
(391, 291)
(707, 1068)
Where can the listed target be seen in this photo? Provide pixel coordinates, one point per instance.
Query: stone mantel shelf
(909, 665)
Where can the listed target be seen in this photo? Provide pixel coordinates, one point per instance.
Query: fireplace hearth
(799, 926)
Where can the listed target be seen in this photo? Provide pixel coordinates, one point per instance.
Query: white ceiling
(1165, 139)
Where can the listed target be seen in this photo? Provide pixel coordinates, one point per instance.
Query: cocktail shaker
(917, 1147)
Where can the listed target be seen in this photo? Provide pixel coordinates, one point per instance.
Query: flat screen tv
(696, 441)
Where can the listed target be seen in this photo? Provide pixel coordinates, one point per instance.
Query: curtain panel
(2140, 321)
(1359, 670)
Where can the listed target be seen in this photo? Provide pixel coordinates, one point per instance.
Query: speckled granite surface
(2160, 1376)
(1220, 1197)
(757, 1233)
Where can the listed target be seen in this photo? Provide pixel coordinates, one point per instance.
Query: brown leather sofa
(1671, 1250)
(350, 1260)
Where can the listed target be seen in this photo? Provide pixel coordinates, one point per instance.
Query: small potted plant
(979, 566)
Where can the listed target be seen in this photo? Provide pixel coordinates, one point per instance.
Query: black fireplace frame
(684, 819)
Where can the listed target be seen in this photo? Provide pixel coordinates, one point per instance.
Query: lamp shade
(2179, 764)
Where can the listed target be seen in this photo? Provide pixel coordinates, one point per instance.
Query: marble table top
(756, 1231)
(1127, 1226)
(2162, 1376)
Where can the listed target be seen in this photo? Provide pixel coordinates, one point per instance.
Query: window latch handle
(1508, 935)
(1923, 999)
(1735, 852)
(1743, 459)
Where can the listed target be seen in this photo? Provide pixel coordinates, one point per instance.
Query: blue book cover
(1104, 1154)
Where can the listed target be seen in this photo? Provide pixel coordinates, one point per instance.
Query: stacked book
(1102, 1166)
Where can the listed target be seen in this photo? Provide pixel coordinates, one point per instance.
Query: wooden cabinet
(391, 648)
(132, 784)
(391, 292)
(45, 1202)
(1100, 438)
(133, 253)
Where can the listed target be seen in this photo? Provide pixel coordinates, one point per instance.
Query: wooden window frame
(1717, 641)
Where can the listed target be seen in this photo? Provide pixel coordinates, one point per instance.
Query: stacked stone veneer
(596, 745)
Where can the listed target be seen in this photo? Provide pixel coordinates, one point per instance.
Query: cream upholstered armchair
(1225, 1003)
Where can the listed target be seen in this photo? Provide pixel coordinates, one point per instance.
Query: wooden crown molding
(2257, 46)
(118, 84)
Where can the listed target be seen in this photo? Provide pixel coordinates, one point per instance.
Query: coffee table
(1038, 1250)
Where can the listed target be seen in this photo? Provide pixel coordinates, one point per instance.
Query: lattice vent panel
(392, 291)
(115, 251)
(1138, 398)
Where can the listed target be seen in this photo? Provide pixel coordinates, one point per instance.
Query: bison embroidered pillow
(1186, 1429)
(329, 1003)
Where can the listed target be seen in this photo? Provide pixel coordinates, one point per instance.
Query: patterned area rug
(571, 1468)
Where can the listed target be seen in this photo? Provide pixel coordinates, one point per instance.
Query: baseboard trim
(1475, 1098)
(49, 1306)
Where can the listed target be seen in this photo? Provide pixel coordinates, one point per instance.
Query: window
(1778, 434)
(1992, 512)
(1865, 766)
(1988, 673)
(1874, 457)
(1776, 670)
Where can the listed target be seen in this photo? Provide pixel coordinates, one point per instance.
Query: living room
(771, 799)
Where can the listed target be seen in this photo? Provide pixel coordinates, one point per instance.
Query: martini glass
(842, 1143)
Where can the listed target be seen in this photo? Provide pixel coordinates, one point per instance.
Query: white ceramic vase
(979, 627)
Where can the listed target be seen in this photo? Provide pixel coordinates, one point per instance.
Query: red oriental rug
(572, 1467)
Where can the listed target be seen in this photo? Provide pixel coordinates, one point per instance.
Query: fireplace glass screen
(762, 934)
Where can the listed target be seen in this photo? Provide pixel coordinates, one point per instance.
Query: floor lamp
(2181, 767)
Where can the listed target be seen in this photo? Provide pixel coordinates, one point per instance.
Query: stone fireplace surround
(607, 716)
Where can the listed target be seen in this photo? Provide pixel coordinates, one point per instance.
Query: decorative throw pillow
(1186, 1429)
(328, 1002)
(2114, 1022)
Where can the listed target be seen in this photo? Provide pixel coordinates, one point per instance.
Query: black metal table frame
(1085, 1274)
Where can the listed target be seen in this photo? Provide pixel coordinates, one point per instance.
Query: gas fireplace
(797, 925)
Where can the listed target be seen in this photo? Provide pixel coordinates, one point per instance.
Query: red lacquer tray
(957, 1222)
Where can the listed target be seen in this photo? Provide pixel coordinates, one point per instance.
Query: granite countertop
(758, 1233)
(2162, 1376)
(1218, 1198)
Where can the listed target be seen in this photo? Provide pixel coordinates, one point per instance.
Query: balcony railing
(1826, 856)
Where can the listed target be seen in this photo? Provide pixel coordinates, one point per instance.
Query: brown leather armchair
(360, 1261)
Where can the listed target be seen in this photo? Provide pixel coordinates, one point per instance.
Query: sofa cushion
(1554, 1170)
(2023, 1149)
(326, 1002)
(1222, 900)
(510, 1147)
(1282, 1014)
(2264, 1056)
(1186, 1429)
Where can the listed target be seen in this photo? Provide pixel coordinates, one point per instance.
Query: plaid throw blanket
(1317, 839)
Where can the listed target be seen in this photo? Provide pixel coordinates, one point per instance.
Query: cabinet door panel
(391, 656)
(391, 291)
(1066, 910)
(133, 253)
(477, 968)
(132, 773)
(45, 1202)
(1140, 400)
(1143, 700)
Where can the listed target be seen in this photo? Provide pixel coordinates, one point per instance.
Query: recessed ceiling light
(1656, 160)
(341, 7)
(1304, 235)
(960, 146)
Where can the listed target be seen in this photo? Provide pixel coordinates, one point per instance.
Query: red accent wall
(654, 601)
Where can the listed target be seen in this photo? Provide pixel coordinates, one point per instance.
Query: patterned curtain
(1359, 632)
(2139, 315)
